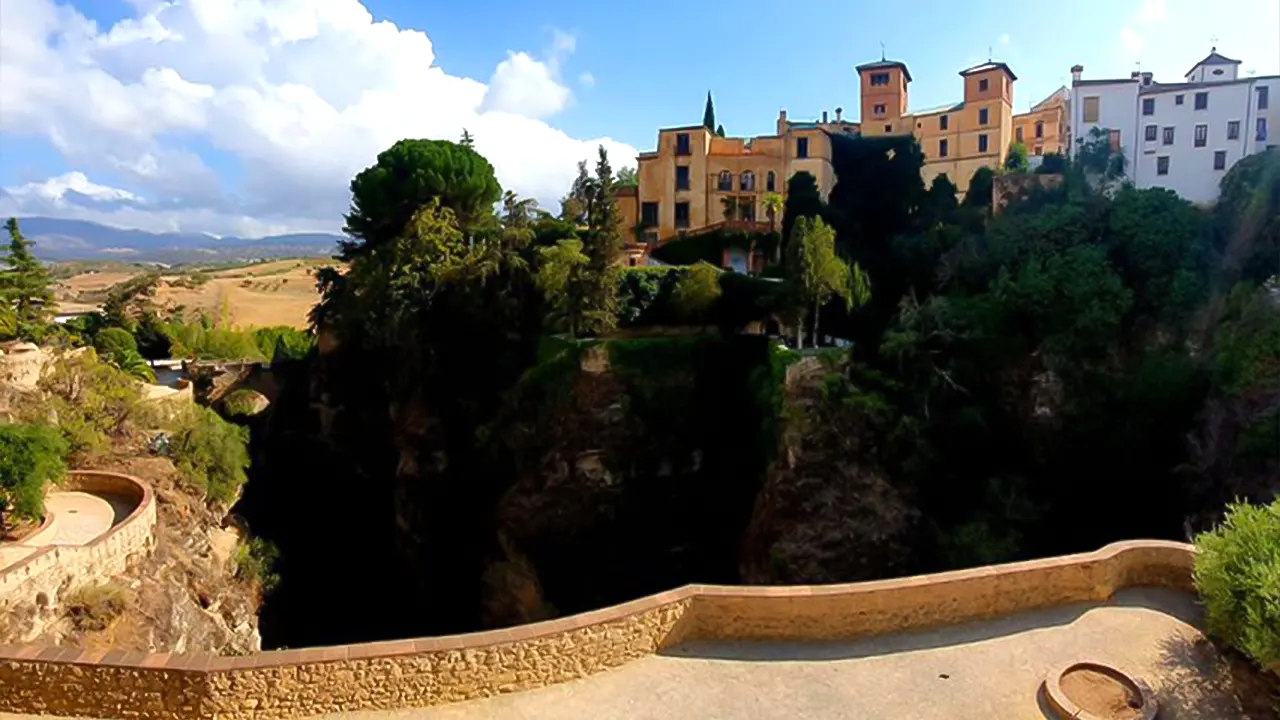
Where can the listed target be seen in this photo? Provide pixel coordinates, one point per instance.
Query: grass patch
(94, 607)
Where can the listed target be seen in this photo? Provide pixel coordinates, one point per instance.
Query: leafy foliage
(408, 175)
(117, 346)
(815, 274)
(210, 453)
(697, 290)
(1016, 159)
(255, 562)
(31, 457)
(25, 289)
(1237, 573)
(803, 200)
(92, 400)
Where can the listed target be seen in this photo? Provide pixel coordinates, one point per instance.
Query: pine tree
(709, 115)
(603, 247)
(573, 207)
(25, 285)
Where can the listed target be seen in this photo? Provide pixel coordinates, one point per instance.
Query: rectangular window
(1233, 129)
(1113, 140)
(1162, 165)
(1017, 135)
(682, 144)
(649, 214)
(1261, 136)
(983, 84)
(982, 143)
(878, 110)
(878, 79)
(942, 122)
(1039, 129)
(1202, 135)
(1177, 99)
(1148, 106)
(1168, 136)
(1151, 133)
(888, 128)
(1039, 150)
(682, 177)
(1091, 109)
(942, 148)
(682, 215)
(1263, 100)
(1219, 159)
(1202, 101)
(982, 116)
(802, 147)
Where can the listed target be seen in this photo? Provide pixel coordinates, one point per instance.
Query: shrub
(92, 400)
(211, 453)
(255, 563)
(31, 456)
(243, 402)
(1237, 572)
(278, 344)
(697, 290)
(114, 340)
(95, 607)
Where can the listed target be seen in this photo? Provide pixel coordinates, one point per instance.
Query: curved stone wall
(429, 671)
(49, 572)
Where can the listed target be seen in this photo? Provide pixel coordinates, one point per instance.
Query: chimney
(1146, 78)
(1135, 75)
(1075, 73)
(839, 111)
(783, 128)
(824, 117)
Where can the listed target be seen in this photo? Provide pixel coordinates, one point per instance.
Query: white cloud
(1153, 11)
(292, 97)
(1004, 39)
(1132, 41)
(587, 80)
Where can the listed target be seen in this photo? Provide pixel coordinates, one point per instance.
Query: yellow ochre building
(696, 180)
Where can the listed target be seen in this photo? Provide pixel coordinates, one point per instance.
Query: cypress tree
(709, 115)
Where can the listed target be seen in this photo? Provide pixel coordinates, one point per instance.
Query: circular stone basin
(1093, 691)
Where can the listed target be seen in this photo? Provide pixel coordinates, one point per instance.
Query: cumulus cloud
(251, 118)
(587, 80)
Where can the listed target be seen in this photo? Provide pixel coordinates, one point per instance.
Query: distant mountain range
(62, 240)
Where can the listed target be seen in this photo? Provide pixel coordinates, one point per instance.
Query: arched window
(725, 182)
(1040, 129)
(747, 181)
(769, 182)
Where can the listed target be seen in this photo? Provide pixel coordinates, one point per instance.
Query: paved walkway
(78, 518)
(980, 671)
(988, 671)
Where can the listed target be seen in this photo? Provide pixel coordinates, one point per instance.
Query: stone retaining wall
(47, 574)
(415, 673)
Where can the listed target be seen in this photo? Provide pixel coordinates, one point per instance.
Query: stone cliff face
(183, 597)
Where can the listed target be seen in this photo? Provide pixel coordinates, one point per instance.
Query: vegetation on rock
(1238, 576)
(31, 457)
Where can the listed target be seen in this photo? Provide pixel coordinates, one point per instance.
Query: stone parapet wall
(430, 671)
(47, 574)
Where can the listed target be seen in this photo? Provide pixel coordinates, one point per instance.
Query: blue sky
(222, 116)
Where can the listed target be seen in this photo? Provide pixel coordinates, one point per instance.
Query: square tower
(883, 86)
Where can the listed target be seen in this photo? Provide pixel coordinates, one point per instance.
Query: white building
(1182, 136)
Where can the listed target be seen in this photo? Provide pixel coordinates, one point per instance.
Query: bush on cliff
(31, 456)
(211, 453)
(1237, 572)
(91, 401)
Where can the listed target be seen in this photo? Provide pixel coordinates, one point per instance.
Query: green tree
(117, 346)
(720, 130)
(31, 457)
(729, 206)
(559, 271)
(697, 291)
(627, 177)
(980, 189)
(598, 282)
(815, 274)
(8, 321)
(803, 200)
(128, 300)
(1246, 220)
(573, 206)
(25, 285)
(410, 175)
(709, 114)
(773, 210)
(1016, 159)
(92, 400)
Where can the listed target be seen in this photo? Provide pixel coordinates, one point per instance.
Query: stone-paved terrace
(988, 670)
(984, 670)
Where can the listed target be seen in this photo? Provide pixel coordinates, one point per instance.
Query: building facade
(1182, 136)
(695, 180)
